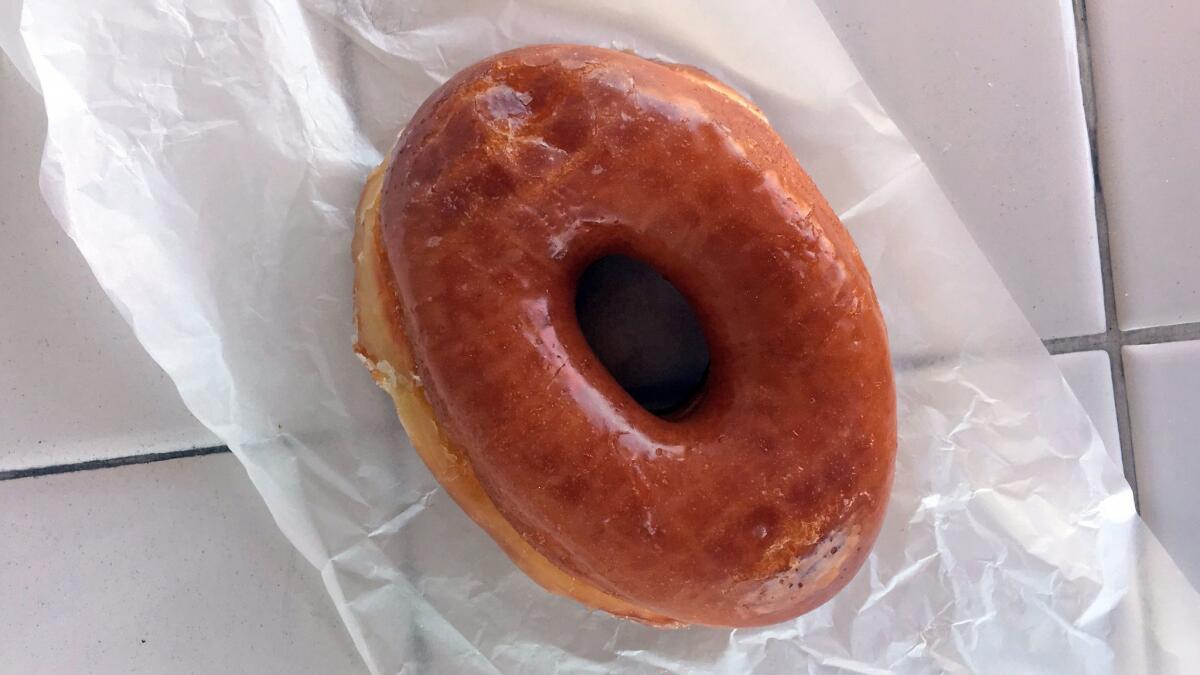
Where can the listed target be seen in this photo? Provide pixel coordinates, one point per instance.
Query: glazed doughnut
(762, 499)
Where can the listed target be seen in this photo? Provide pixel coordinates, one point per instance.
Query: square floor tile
(1146, 58)
(989, 94)
(169, 567)
(1163, 382)
(1090, 377)
(74, 382)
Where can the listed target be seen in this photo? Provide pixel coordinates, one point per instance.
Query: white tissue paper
(207, 157)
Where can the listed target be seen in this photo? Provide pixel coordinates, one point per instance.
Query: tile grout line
(127, 460)
(1151, 335)
(1179, 332)
(1113, 339)
(1076, 343)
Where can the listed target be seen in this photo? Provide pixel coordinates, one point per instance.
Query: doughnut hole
(645, 333)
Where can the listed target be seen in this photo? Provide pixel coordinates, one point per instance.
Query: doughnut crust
(761, 501)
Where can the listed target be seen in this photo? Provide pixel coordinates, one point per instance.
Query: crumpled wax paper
(206, 156)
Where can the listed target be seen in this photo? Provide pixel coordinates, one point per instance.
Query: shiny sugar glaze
(763, 500)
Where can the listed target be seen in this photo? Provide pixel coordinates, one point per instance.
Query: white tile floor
(74, 383)
(1090, 377)
(986, 94)
(1145, 59)
(1163, 383)
(168, 567)
(996, 124)
(174, 566)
